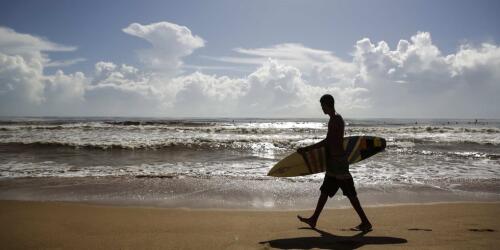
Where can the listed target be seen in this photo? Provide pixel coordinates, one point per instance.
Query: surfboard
(313, 161)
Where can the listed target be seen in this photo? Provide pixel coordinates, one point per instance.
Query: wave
(459, 142)
(425, 130)
(193, 144)
(275, 149)
(257, 128)
(243, 134)
(174, 127)
(164, 123)
(451, 154)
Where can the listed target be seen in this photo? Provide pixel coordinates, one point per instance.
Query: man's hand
(301, 150)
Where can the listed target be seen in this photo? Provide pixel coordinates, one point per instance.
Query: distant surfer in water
(337, 171)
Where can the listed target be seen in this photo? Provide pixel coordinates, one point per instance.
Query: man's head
(327, 104)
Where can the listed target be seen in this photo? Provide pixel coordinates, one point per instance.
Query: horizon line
(238, 117)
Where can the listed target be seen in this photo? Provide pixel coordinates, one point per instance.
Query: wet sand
(224, 193)
(42, 225)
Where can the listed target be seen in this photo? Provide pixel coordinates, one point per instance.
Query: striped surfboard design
(358, 148)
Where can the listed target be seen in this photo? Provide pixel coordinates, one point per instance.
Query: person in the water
(337, 170)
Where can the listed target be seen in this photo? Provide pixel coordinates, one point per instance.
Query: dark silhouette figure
(330, 241)
(337, 171)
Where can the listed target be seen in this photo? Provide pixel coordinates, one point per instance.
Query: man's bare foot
(364, 227)
(309, 221)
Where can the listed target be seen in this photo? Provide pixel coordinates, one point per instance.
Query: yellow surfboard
(313, 161)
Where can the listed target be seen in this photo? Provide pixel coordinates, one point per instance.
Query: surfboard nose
(384, 144)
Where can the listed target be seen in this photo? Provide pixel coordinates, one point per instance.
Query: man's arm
(320, 144)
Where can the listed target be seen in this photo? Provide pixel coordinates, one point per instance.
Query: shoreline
(31, 224)
(284, 210)
(220, 193)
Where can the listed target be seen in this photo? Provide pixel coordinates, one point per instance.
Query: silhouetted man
(337, 170)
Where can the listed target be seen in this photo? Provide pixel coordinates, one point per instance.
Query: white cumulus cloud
(21, 79)
(170, 43)
(24, 88)
(418, 77)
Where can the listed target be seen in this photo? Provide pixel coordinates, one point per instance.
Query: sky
(260, 58)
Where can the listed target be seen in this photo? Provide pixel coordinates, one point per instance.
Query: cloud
(15, 43)
(273, 89)
(419, 78)
(414, 79)
(21, 79)
(65, 88)
(276, 89)
(24, 88)
(207, 95)
(31, 48)
(289, 53)
(65, 63)
(307, 60)
(170, 43)
(122, 90)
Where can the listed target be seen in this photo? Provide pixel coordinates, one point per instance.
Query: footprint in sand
(481, 230)
(419, 229)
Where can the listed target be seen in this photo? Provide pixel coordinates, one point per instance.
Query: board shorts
(331, 185)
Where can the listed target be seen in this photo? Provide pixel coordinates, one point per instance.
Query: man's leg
(311, 221)
(365, 223)
(347, 186)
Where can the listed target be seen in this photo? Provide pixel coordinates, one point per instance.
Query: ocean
(175, 162)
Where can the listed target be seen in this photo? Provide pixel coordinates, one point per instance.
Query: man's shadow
(330, 241)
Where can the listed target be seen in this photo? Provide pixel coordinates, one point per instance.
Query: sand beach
(66, 225)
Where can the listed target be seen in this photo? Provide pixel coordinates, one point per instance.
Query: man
(337, 170)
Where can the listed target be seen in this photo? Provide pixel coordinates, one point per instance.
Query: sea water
(450, 155)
